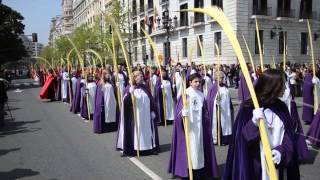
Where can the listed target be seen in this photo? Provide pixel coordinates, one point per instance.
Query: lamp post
(168, 26)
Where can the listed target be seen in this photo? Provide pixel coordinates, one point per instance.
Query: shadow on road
(17, 127)
(6, 151)
(17, 173)
(164, 148)
(312, 157)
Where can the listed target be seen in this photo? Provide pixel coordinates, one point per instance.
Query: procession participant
(73, 85)
(246, 158)
(83, 100)
(105, 114)
(91, 90)
(58, 85)
(152, 80)
(49, 87)
(207, 82)
(77, 100)
(313, 135)
(121, 80)
(65, 86)
(203, 157)
(142, 136)
(243, 91)
(308, 98)
(179, 73)
(165, 87)
(220, 96)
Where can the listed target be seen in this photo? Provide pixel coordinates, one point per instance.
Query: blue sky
(37, 15)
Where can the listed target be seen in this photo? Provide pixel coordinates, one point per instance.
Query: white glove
(173, 85)
(162, 86)
(257, 114)
(117, 84)
(315, 80)
(153, 115)
(131, 89)
(254, 76)
(185, 113)
(276, 156)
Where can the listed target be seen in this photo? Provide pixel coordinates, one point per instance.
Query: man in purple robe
(75, 107)
(313, 134)
(308, 99)
(203, 157)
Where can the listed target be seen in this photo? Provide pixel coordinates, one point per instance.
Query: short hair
(194, 76)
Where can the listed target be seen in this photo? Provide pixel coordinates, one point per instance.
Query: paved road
(43, 140)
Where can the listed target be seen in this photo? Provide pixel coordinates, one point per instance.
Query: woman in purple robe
(143, 136)
(101, 124)
(245, 160)
(204, 162)
(308, 99)
(83, 100)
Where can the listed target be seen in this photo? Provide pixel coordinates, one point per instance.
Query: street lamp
(168, 26)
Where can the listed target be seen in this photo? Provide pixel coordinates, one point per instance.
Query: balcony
(262, 11)
(308, 15)
(285, 13)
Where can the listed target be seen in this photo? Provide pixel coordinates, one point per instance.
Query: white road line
(144, 168)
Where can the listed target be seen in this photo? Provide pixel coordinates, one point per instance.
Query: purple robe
(128, 136)
(313, 134)
(178, 164)
(308, 98)
(158, 100)
(58, 90)
(75, 107)
(99, 124)
(243, 160)
(243, 91)
(210, 101)
(83, 102)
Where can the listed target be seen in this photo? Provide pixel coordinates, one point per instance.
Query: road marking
(18, 90)
(144, 168)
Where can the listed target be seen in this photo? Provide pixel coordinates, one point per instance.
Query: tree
(11, 26)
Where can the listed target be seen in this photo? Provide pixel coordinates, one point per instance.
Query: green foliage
(11, 46)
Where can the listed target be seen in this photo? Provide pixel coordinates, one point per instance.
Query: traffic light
(34, 37)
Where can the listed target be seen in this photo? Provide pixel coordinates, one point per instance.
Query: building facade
(67, 17)
(55, 29)
(33, 48)
(279, 21)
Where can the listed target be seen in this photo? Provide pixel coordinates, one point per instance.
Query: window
(218, 3)
(141, 6)
(198, 45)
(305, 9)
(135, 30)
(284, 8)
(150, 24)
(167, 53)
(142, 27)
(134, 8)
(184, 47)
(144, 53)
(150, 4)
(304, 43)
(256, 49)
(282, 41)
(259, 7)
(217, 40)
(198, 17)
(135, 54)
(151, 53)
(184, 15)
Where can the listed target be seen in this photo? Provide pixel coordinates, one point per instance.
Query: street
(43, 140)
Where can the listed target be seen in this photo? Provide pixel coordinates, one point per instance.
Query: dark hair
(194, 76)
(270, 84)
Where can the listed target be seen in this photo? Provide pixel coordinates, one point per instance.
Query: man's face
(195, 83)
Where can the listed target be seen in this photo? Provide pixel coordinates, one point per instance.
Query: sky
(37, 15)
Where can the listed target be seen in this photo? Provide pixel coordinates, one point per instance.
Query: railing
(262, 11)
(286, 13)
(308, 15)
